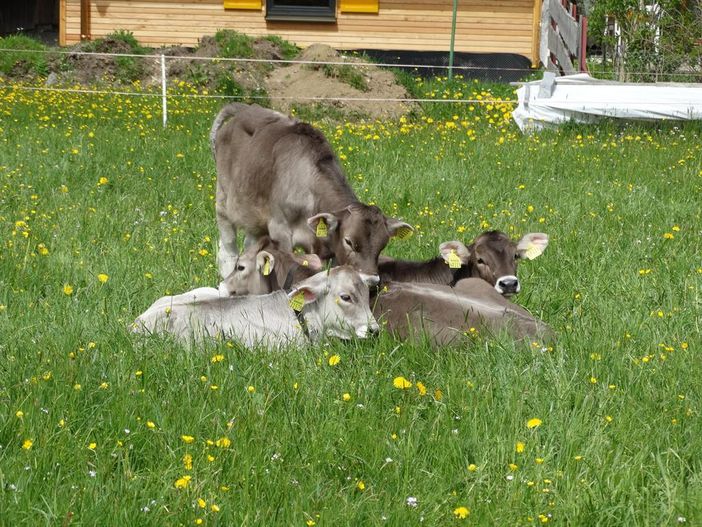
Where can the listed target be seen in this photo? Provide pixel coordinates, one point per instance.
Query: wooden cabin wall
(483, 26)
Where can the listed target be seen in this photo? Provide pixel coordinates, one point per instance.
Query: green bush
(287, 49)
(11, 57)
(346, 74)
(232, 44)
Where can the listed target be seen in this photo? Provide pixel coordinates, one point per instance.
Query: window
(302, 10)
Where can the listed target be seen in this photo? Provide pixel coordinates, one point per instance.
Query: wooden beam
(85, 20)
(536, 34)
(555, 44)
(62, 23)
(567, 25)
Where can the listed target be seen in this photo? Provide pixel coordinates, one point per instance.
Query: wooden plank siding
(483, 26)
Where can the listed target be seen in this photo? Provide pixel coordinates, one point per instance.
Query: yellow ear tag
(532, 251)
(403, 233)
(266, 267)
(453, 260)
(322, 231)
(298, 301)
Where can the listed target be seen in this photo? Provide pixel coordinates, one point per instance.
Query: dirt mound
(348, 84)
(327, 84)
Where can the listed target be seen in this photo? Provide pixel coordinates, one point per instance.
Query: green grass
(18, 62)
(93, 185)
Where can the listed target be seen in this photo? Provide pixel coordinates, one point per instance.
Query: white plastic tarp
(584, 99)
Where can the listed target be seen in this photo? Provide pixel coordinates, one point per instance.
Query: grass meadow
(102, 211)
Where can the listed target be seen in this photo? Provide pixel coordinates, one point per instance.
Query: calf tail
(229, 111)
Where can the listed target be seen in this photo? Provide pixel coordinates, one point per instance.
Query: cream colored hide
(335, 304)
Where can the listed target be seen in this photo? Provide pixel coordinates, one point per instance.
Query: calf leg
(228, 250)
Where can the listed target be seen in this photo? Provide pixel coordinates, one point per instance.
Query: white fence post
(163, 90)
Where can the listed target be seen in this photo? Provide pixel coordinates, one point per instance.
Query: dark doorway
(35, 18)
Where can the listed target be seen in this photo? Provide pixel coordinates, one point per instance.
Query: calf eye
(240, 268)
(349, 244)
(516, 256)
(345, 298)
(481, 261)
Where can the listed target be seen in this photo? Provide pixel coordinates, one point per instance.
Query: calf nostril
(508, 284)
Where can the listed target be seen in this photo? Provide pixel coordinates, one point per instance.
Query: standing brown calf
(279, 176)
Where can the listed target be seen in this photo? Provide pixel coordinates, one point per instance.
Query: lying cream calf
(333, 303)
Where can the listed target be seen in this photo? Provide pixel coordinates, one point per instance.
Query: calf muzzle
(507, 285)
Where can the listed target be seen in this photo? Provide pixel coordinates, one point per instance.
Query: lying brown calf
(492, 256)
(263, 268)
(445, 314)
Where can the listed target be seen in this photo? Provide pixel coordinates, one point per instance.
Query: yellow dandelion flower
(250, 389)
(534, 422)
(519, 448)
(438, 394)
(27, 444)
(217, 358)
(346, 397)
(150, 424)
(188, 462)
(201, 503)
(92, 446)
(334, 360)
(472, 467)
(182, 483)
(461, 512)
(421, 389)
(401, 383)
(361, 485)
(19, 414)
(103, 278)
(513, 467)
(223, 442)
(67, 289)
(214, 507)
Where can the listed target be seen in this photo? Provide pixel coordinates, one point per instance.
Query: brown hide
(446, 314)
(279, 176)
(492, 256)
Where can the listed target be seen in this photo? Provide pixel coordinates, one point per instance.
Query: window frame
(302, 13)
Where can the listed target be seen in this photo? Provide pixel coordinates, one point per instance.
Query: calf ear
(455, 248)
(323, 223)
(265, 262)
(301, 295)
(312, 261)
(532, 245)
(398, 229)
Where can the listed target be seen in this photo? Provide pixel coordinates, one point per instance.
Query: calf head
(357, 234)
(493, 256)
(256, 270)
(336, 302)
